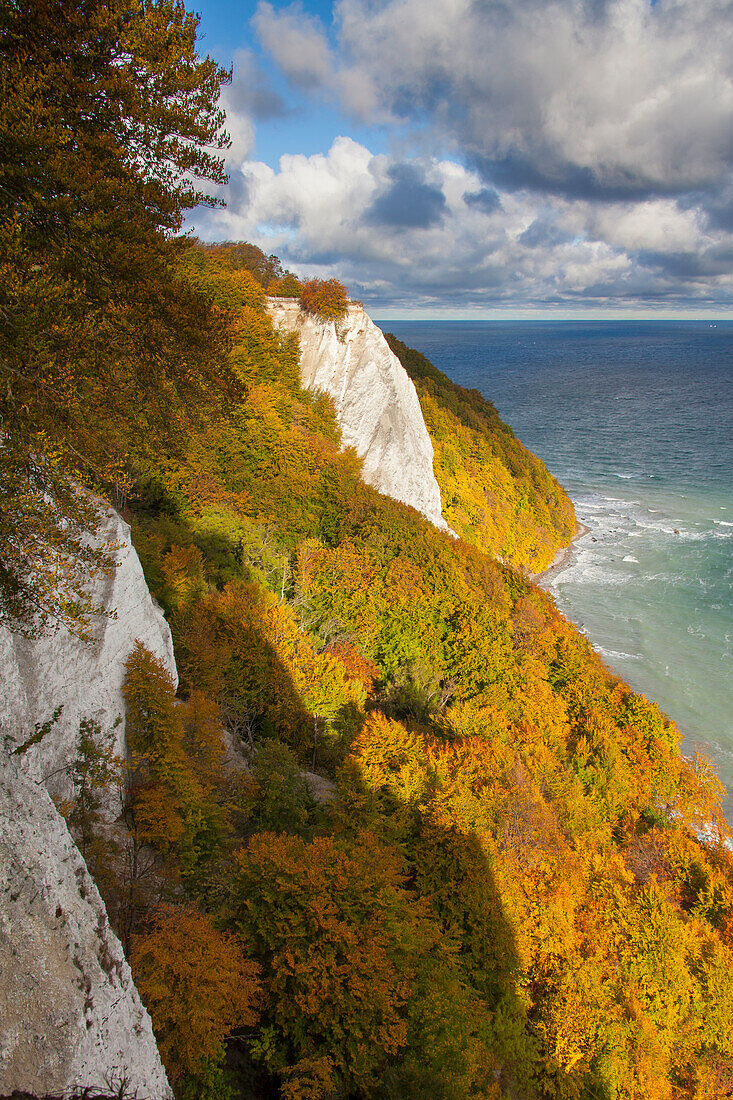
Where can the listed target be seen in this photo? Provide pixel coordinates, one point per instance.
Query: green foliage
(287, 287)
(495, 494)
(322, 917)
(40, 730)
(280, 800)
(243, 256)
(94, 770)
(46, 558)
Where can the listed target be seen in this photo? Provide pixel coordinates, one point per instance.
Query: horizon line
(393, 314)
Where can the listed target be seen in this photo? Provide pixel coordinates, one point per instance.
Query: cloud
(544, 232)
(583, 150)
(250, 98)
(297, 42)
(487, 199)
(409, 201)
(615, 99)
(251, 92)
(462, 244)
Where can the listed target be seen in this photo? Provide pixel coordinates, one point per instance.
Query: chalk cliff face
(40, 674)
(376, 403)
(69, 1013)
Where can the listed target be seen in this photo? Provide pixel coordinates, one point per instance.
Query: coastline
(562, 557)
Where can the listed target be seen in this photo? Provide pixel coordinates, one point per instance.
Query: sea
(635, 419)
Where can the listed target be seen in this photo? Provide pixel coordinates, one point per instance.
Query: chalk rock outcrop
(376, 403)
(70, 1015)
(39, 674)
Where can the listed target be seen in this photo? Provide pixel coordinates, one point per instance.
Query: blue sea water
(636, 421)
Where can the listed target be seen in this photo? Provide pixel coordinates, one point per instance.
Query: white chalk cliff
(69, 1013)
(377, 405)
(40, 674)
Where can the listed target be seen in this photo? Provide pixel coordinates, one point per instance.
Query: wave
(618, 654)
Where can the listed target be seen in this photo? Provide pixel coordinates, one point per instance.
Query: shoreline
(562, 558)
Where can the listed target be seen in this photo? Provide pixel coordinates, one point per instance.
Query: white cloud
(654, 226)
(241, 130)
(590, 150)
(296, 41)
(415, 232)
(603, 96)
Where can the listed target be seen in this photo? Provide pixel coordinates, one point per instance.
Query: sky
(484, 158)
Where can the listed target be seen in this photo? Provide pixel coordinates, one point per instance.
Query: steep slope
(496, 494)
(376, 403)
(508, 894)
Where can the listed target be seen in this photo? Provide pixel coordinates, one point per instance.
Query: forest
(397, 833)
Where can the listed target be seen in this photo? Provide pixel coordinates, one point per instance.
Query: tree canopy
(503, 879)
(110, 129)
(326, 298)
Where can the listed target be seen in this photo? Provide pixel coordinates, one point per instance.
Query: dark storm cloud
(691, 265)
(543, 233)
(486, 200)
(567, 180)
(409, 202)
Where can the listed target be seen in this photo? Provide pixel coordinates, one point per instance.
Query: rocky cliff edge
(70, 1016)
(84, 678)
(376, 402)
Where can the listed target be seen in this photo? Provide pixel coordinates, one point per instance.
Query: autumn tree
(323, 918)
(325, 298)
(197, 985)
(243, 256)
(167, 799)
(109, 129)
(286, 287)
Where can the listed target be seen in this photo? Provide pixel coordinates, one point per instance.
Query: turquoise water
(636, 421)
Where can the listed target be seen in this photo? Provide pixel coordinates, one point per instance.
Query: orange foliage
(326, 298)
(197, 985)
(357, 666)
